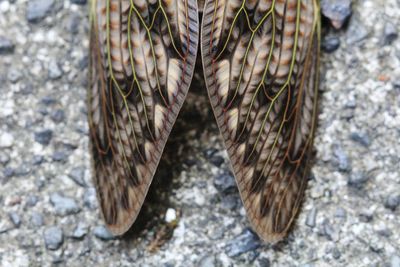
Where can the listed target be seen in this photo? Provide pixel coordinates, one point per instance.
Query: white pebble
(6, 140)
(170, 215)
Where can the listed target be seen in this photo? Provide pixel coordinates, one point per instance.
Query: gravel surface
(193, 215)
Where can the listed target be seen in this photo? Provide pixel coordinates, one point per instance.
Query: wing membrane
(142, 56)
(260, 63)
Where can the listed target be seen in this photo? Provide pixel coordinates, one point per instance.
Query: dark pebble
(53, 237)
(392, 202)
(225, 183)
(57, 115)
(37, 159)
(64, 205)
(79, 2)
(366, 217)
(209, 152)
(101, 232)
(390, 33)
(330, 44)
(37, 10)
(60, 156)
(361, 138)
(77, 174)
(8, 172)
(357, 180)
(31, 200)
(337, 11)
(264, 262)
(6, 46)
(245, 242)
(44, 137)
(15, 219)
(217, 160)
(48, 100)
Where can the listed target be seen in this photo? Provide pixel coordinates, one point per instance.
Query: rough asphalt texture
(193, 215)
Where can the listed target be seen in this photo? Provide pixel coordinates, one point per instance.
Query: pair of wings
(260, 62)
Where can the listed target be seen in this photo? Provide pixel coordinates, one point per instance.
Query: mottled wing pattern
(260, 61)
(142, 56)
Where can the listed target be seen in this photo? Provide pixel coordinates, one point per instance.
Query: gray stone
(37, 10)
(55, 72)
(207, 261)
(43, 137)
(337, 11)
(390, 33)
(53, 237)
(357, 180)
(57, 115)
(64, 205)
(392, 202)
(37, 219)
(80, 231)
(341, 159)
(15, 219)
(330, 44)
(225, 183)
(245, 242)
(101, 232)
(6, 46)
(361, 138)
(77, 174)
(311, 217)
(90, 199)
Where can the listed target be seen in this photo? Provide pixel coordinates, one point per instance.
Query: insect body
(260, 62)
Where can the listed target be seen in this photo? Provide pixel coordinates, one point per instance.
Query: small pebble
(90, 199)
(64, 205)
(225, 183)
(170, 215)
(357, 180)
(53, 237)
(330, 44)
(15, 219)
(245, 242)
(43, 137)
(6, 46)
(6, 140)
(80, 231)
(392, 202)
(337, 11)
(37, 219)
(311, 217)
(77, 174)
(101, 232)
(37, 10)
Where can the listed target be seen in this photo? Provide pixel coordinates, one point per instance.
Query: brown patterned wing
(260, 61)
(142, 56)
